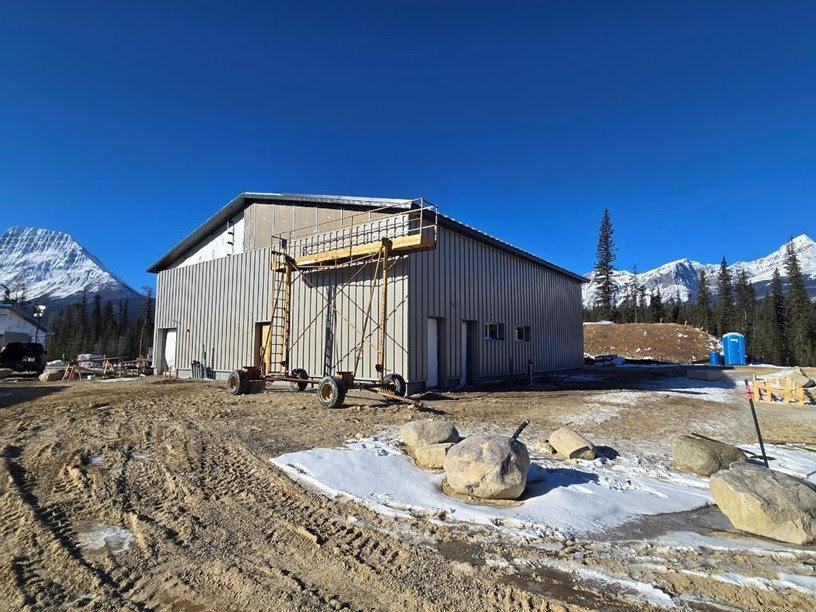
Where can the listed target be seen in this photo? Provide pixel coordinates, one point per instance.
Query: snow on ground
(791, 460)
(722, 391)
(688, 540)
(98, 536)
(561, 499)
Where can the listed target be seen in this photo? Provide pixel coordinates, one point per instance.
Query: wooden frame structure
(782, 390)
(373, 238)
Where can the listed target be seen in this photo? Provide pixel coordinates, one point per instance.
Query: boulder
(52, 375)
(417, 434)
(544, 448)
(703, 457)
(5, 373)
(767, 503)
(572, 445)
(432, 457)
(797, 376)
(489, 467)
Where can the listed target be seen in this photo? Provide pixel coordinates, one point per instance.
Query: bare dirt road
(159, 495)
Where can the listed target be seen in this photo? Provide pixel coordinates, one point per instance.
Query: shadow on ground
(541, 480)
(11, 394)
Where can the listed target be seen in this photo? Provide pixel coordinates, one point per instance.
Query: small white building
(17, 326)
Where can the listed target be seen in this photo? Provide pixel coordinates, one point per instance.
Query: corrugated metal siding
(214, 305)
(467, 280)
(221, 301)
(349, 288)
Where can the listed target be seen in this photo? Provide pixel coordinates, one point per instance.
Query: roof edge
(239, 203)
(481, 236)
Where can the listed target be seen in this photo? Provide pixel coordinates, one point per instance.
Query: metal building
(471, 310)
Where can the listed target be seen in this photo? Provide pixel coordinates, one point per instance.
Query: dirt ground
(669, 342)
(184, 468)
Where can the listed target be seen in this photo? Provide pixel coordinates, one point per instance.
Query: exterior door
(263, 347)
(464, 353)
(170, 348)
(432, 380)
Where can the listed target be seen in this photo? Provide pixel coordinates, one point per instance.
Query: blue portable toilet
(734, 348)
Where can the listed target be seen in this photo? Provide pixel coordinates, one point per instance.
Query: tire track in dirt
(379, 565)
(50, 524)
(216, 526)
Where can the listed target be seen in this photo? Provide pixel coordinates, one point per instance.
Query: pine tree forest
(90, 325)
(779, 328)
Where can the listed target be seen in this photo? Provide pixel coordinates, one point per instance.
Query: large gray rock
(490, 467)
(432, 457)
(703, 457)
(797, 376)
(5, 373)
(767, 503)
(572, 445)
(417, 434)
(52, 375)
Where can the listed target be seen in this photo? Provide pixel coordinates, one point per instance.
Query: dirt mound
(659, 341)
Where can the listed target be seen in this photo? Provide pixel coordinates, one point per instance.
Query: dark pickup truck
(23, 357)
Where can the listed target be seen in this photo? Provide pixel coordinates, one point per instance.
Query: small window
(494, 331)
(523, 333)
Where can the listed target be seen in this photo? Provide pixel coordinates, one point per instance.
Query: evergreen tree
(108, 333)
(146, 328)
(121, 330)
(604, 257)
(673, 310)
(642, 304)
(725, 303)
(656, 306)
(628, 309)
(801, 332)
(745, 309)
(778, 322)
(703, 318)
(95, 324)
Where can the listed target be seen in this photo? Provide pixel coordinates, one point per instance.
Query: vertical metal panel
(467, 280)
(221, 301)
(218, 303)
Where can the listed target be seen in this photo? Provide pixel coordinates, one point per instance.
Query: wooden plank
(399, 246)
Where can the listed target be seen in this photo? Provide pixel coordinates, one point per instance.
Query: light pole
(39, 311)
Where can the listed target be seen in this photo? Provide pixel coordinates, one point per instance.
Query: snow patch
(560, 498)
(98, 536)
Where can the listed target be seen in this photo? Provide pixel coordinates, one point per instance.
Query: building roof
(242, 200)
(24, 316)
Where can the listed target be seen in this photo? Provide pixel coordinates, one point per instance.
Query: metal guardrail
(360, 228)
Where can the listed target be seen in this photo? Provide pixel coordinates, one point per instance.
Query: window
(523, 333)
(494, 331)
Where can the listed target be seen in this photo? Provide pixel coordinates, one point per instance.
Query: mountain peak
(679, 279)
(802, 240)
(52, 266)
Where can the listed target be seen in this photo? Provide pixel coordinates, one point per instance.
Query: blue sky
(127, 125)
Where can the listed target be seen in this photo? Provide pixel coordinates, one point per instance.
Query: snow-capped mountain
(53, 268)
(679, 279)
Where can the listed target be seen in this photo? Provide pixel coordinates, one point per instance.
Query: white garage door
(170, 348)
